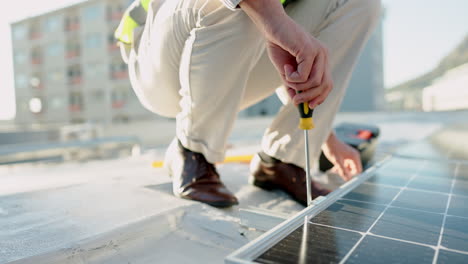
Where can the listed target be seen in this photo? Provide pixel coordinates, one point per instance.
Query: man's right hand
(300, 59)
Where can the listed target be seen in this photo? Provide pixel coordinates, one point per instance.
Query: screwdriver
(306, 123)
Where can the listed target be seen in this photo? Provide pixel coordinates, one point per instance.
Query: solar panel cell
(431, 184)
(459, 206)
(409, 225)
(438, 169)
(380, 250)
(456, 233)
(462, 171)
(460, 187)
(424, 150)
(426, 201)
(350, 215)
(408, 166)
(448, 257)
(392, 178)
(322, 245)
(373, 193)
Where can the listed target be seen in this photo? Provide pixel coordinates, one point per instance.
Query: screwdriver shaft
(308, 179)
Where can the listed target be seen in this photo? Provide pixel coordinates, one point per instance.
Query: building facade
(448, 92)
(366, 90)
(68, 68)
(398, 99)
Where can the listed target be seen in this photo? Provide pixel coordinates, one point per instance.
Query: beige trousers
(202, 63)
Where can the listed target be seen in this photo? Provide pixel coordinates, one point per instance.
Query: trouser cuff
(200, 146)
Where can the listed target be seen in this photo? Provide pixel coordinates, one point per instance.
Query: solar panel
(403, 211)
(441, 146)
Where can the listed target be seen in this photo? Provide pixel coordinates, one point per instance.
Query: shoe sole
(264, 185)
(270, 187)
(214, 204)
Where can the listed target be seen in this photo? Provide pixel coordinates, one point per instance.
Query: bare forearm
(331, 137)
(293, 52)
(266, 14)
(331, 140)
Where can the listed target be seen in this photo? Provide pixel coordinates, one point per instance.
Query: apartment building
(68, 67)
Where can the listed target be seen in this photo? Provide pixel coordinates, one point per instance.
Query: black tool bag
(359, 136)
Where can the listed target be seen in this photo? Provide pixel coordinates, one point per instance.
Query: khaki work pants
(202, 63)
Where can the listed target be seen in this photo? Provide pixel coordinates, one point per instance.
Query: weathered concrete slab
(183, 235)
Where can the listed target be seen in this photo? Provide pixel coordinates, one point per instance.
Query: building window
(72, 23)
(57, 103)
(118, 70)
(75, 102)
(119, 97)
(73, 49)
(20, 57)
(115, 11)
(21, 81)
(95, 70)
(54, 49)
(91, 13)
(54, 76)
(93, 41)
(112, 42)
(52, 24)
(36, 56)
(36, 105)
(97, 96)
(22, 106)
(34, 30)
(74, 74)
(36, 81)
(19, 32)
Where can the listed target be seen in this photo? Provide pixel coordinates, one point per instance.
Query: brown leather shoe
(285, 176)
(194, 178)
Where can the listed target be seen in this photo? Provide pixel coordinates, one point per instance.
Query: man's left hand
(346, 159)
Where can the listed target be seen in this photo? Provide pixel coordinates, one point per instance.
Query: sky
(417, 35)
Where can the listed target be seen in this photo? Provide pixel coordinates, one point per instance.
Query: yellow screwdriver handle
(306, 122)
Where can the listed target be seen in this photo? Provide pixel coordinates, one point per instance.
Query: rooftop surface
(123, 211)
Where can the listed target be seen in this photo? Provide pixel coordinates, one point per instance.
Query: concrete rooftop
(123, 211)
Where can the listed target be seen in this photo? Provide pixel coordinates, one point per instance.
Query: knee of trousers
(160, 105)
(152, 94)
(163, 102)
(369, 10)
(373, 10)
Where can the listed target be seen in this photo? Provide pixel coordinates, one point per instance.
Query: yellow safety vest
(135, 16)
